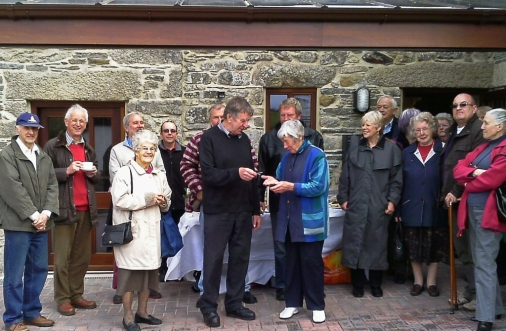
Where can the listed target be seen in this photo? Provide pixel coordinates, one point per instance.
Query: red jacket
(488, 181)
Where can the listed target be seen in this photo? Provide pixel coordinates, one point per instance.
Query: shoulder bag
(500, 198)
(119, 234)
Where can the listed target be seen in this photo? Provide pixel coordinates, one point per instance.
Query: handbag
(399, 250)
(500, 198)
(119, 234)
(172, 242)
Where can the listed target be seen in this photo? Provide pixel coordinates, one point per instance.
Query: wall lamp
(361, 99)
(221, 95)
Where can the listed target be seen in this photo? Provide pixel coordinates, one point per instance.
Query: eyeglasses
(424, 130)
(169, 131)
(442, 126)
(75, 121)
(463, 104)
(148, 149)
(382, 106)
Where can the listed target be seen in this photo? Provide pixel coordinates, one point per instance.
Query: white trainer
(318, 316)
(288, 312)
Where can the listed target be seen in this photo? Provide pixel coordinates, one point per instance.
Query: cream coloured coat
(144, 251)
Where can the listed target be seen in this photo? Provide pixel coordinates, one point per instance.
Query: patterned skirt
(427, 244)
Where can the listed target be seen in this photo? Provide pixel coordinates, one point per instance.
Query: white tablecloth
(261, 266)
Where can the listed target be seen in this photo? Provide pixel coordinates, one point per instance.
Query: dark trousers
(304, 274)
(358, 278)
(234, 229)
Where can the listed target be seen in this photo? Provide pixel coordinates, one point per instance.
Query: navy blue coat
(420, 194)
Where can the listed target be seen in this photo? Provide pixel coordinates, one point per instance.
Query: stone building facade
(181, 84)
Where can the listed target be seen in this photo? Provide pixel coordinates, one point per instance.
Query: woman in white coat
(139, 260)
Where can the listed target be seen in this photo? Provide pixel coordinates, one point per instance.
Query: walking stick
(453, 278)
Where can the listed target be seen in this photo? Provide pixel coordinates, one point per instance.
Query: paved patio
(396, 310)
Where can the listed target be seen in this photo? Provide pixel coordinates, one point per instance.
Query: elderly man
(270, 153)
(463, 136)
(231, 211)
(28, 197)
(387, 106)
(78, 211)
(192, 174)
(121, 154)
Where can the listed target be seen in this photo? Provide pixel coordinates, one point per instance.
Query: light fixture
(221, 95)
(361, 99)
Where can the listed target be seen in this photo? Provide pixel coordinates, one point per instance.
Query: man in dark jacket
(387, 106)
(78, 211)
(28, 198)
(464, 136)
(270, 152)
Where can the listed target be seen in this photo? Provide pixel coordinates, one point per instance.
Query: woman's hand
(398, 219)
(269, 180)
(344, 206)
(390, 209)
(478, 172)
(282, 187)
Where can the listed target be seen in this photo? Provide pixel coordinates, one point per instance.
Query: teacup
(87, 166)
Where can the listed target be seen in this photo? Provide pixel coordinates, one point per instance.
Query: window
(306, 97)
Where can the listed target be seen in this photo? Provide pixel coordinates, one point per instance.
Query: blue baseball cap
(29, 120)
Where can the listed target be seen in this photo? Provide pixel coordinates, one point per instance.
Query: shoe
(195, 288)
(154, 294)
(484, 326)
(66, 309)
(416, 290)
(17, 327)
(433, 291)
(471, 305)
(151, 320)
(288, 312)
(497, 317)
(84, 304)
(249, 298)
(242, 313)
(211, 319)
(376, 291)
(117, 299)
(132, 326)
(40, 321)
(358, 292)
(318, 316)
(399, 278)
(280, 294)
(460, 300)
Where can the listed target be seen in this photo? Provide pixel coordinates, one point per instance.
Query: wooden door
(104, 130)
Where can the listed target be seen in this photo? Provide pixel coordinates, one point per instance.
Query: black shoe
(151, 320)
(358, 292)
(154, 294)
(399, 278)
(280, 294)
(433, 291)
(132, 326)
(376, 291)
(211, 319)
(497, 317)
(416, 290)
(117, 299)
(242, 313)
(249, 298)
(195, 288)
(484, 326)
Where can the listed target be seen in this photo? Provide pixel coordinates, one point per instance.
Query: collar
(71, 141)
(302, 147)
(380, 144)
(25, 149)
(177, 146)
(230, 135)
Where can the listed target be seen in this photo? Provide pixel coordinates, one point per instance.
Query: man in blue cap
(28, 198)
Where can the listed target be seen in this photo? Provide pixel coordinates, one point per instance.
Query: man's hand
(257, 221)
(262, 207)
(344, 206)
(247, 174)
(73, 167)
(450, 198)
(40, 222)
(200, 195)
(390, 208)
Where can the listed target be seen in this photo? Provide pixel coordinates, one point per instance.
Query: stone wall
(180, 84)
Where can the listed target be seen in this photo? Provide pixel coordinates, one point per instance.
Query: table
(261, 265)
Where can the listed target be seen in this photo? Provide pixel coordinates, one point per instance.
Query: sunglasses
(169, 131)
(463, 104)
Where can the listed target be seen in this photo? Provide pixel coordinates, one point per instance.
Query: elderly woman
(444, 121)
(303, 183)
(369, 189)
(425, 227)
(404, 119)
(482, 171)
(139, 190)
